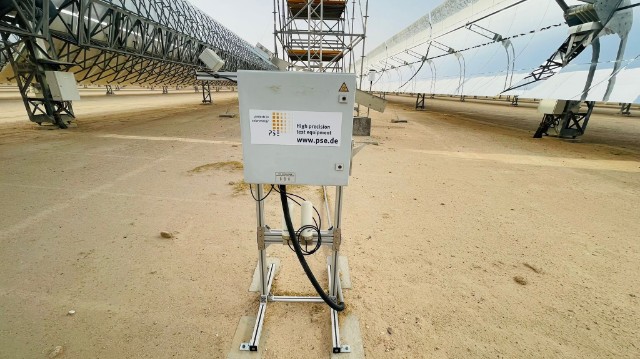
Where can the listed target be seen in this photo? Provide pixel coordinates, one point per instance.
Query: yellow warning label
(344, 87)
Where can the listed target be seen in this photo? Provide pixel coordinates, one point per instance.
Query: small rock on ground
(520, 280)
(56, 352)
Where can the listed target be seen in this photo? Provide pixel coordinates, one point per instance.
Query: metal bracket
(260, 239)
(286, 241)
(342, 349)
(337, 239)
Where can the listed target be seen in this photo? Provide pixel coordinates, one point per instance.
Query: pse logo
(280, 122)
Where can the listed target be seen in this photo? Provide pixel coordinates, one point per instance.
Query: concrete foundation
(362, 126)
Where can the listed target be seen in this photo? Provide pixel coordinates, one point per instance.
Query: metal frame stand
(267, 236)
(420, 101)
(165, 90)
(625, 109)
(206, 92)
(570, 124)
(26, 42)
(109, 90)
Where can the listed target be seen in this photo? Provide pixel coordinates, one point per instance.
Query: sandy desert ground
(466, 238)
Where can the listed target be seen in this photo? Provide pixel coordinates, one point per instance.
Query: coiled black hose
(296, 246)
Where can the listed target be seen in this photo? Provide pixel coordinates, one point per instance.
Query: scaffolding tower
(319, 35)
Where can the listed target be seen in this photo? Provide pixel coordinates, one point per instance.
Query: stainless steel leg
(338, 347)
(252, 345)
(333, 275)
(262, 251)
(266, 276)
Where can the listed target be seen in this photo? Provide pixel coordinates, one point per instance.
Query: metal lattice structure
(580, 51)
(576, 16)
(145, 42)
(319, 35)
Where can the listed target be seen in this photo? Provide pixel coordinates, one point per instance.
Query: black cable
(303, 199)
(289, 195)
(299, 233)
(627, 7)
(318, 243)
(306, 250)
(287, 218)
(217, 76)
(263, 198)
(292, 195)
(317, 227)
(424, 59)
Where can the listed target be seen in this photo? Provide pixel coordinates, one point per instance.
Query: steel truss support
(569, 124)
(28, 46)
(625, 109)
(145, 42)
(420, 101)
(206, 92)
(585, 27)
(266, 236)
(570, 49)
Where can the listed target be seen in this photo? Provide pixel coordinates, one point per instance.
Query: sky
(253, 19)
